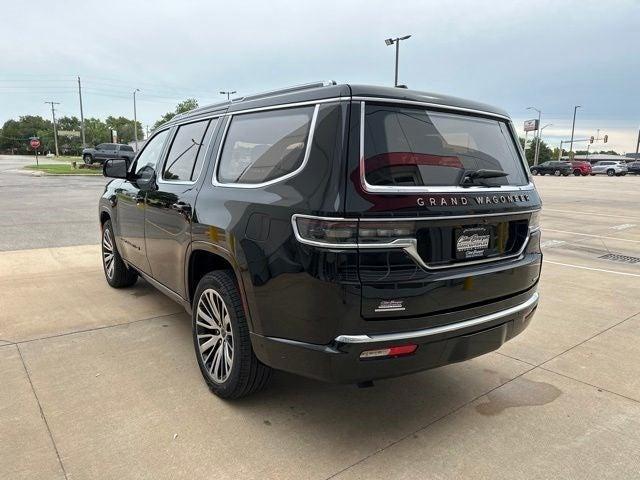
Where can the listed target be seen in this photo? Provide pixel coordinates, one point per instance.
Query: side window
(126, 148)
(146, 163)
(186, 149)
(264, 146)
(100, 147)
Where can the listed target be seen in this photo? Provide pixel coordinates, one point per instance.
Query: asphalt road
(103, 383)
(46, 211)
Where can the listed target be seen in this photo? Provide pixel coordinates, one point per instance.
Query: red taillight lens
(326, 232)
(389, 352)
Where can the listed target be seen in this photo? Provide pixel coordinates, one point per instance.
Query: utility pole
(560, 152)
(55, 127)
(147, 135)
(637, 158)
(391, 41)
(573, 127)
(135, 118)
(228, 93)
(537, 152)
(81, 113)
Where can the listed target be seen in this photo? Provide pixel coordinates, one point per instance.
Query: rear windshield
(415, 147)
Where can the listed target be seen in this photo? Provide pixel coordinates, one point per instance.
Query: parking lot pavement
(103, 383)
(46, 211)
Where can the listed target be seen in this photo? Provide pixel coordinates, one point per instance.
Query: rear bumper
(339, 362)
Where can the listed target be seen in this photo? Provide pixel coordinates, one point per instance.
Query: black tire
(119, 276)
(534, 171)
(577, 172)
(88, 159)
(246, 374)
(542, 174)
(556, 172)
(611, 172)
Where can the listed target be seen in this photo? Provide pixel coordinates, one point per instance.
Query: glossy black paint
(299, 298)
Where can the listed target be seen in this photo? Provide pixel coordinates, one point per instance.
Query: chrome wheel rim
(107, 253)
(214, 335)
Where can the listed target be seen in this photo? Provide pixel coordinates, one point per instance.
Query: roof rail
(282, 91)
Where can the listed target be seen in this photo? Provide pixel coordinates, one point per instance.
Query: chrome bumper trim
(452, 327)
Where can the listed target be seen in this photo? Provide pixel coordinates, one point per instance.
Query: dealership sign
(530, 125)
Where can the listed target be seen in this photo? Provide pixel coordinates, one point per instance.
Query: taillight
(534, 221)
(325, 231)
(347, 233)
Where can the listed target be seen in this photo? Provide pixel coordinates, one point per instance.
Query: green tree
(69, 144)
(15, 134)
(544, 155)
(124, 127)
(96, 131)
(182, 107)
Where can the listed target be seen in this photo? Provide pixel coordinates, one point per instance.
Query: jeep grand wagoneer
(343, 232)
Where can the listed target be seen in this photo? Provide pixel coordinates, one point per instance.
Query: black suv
(342, 232)
(553, 168)
(106, 151)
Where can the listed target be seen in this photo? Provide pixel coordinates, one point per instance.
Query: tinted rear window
(126, 148)
(264, 146)
(416, 147)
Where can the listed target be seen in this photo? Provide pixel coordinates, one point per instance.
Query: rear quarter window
(265, 146)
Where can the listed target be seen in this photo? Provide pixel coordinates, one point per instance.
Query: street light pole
(227, 93)
(537, 151)
(573, 127)
(135, 118)
(55, 127)
(391, 41)
(84, 144)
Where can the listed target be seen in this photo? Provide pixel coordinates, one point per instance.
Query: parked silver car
(610, 167)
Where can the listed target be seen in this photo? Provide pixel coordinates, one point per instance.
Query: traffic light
(591, 139)
(606, 137)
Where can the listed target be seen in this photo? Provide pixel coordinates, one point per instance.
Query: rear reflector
(398, 351)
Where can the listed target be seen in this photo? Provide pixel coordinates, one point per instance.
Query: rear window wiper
(475, 177)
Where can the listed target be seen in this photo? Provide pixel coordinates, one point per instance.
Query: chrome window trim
(160, 180)
(434, 189)
(431, 105)
(288, 105)
(305, 159)
(409, 245)
(452, 327)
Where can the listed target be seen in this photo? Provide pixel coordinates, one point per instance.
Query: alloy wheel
(214, 335)
(107, 253)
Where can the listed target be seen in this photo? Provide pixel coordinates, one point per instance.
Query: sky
(548, 54)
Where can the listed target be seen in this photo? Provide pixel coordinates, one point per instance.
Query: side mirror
(115, 168)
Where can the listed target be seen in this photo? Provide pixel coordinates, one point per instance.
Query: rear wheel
(611, 172)
(115, 270)
(556, 172)
(221, 339)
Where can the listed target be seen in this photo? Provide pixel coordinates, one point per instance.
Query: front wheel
(88, 159)
(577, 172)
(611, 172)
(556, 173)
(115, 270)
(534, 171)
(221, 339)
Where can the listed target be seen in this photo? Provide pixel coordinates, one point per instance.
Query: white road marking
(592, 269)
(624, 226)
(590, 235)
(582, 212)
(552, 243)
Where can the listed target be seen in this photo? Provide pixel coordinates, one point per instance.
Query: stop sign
(34, 142)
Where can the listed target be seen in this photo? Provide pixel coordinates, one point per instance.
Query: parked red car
(581, 168)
